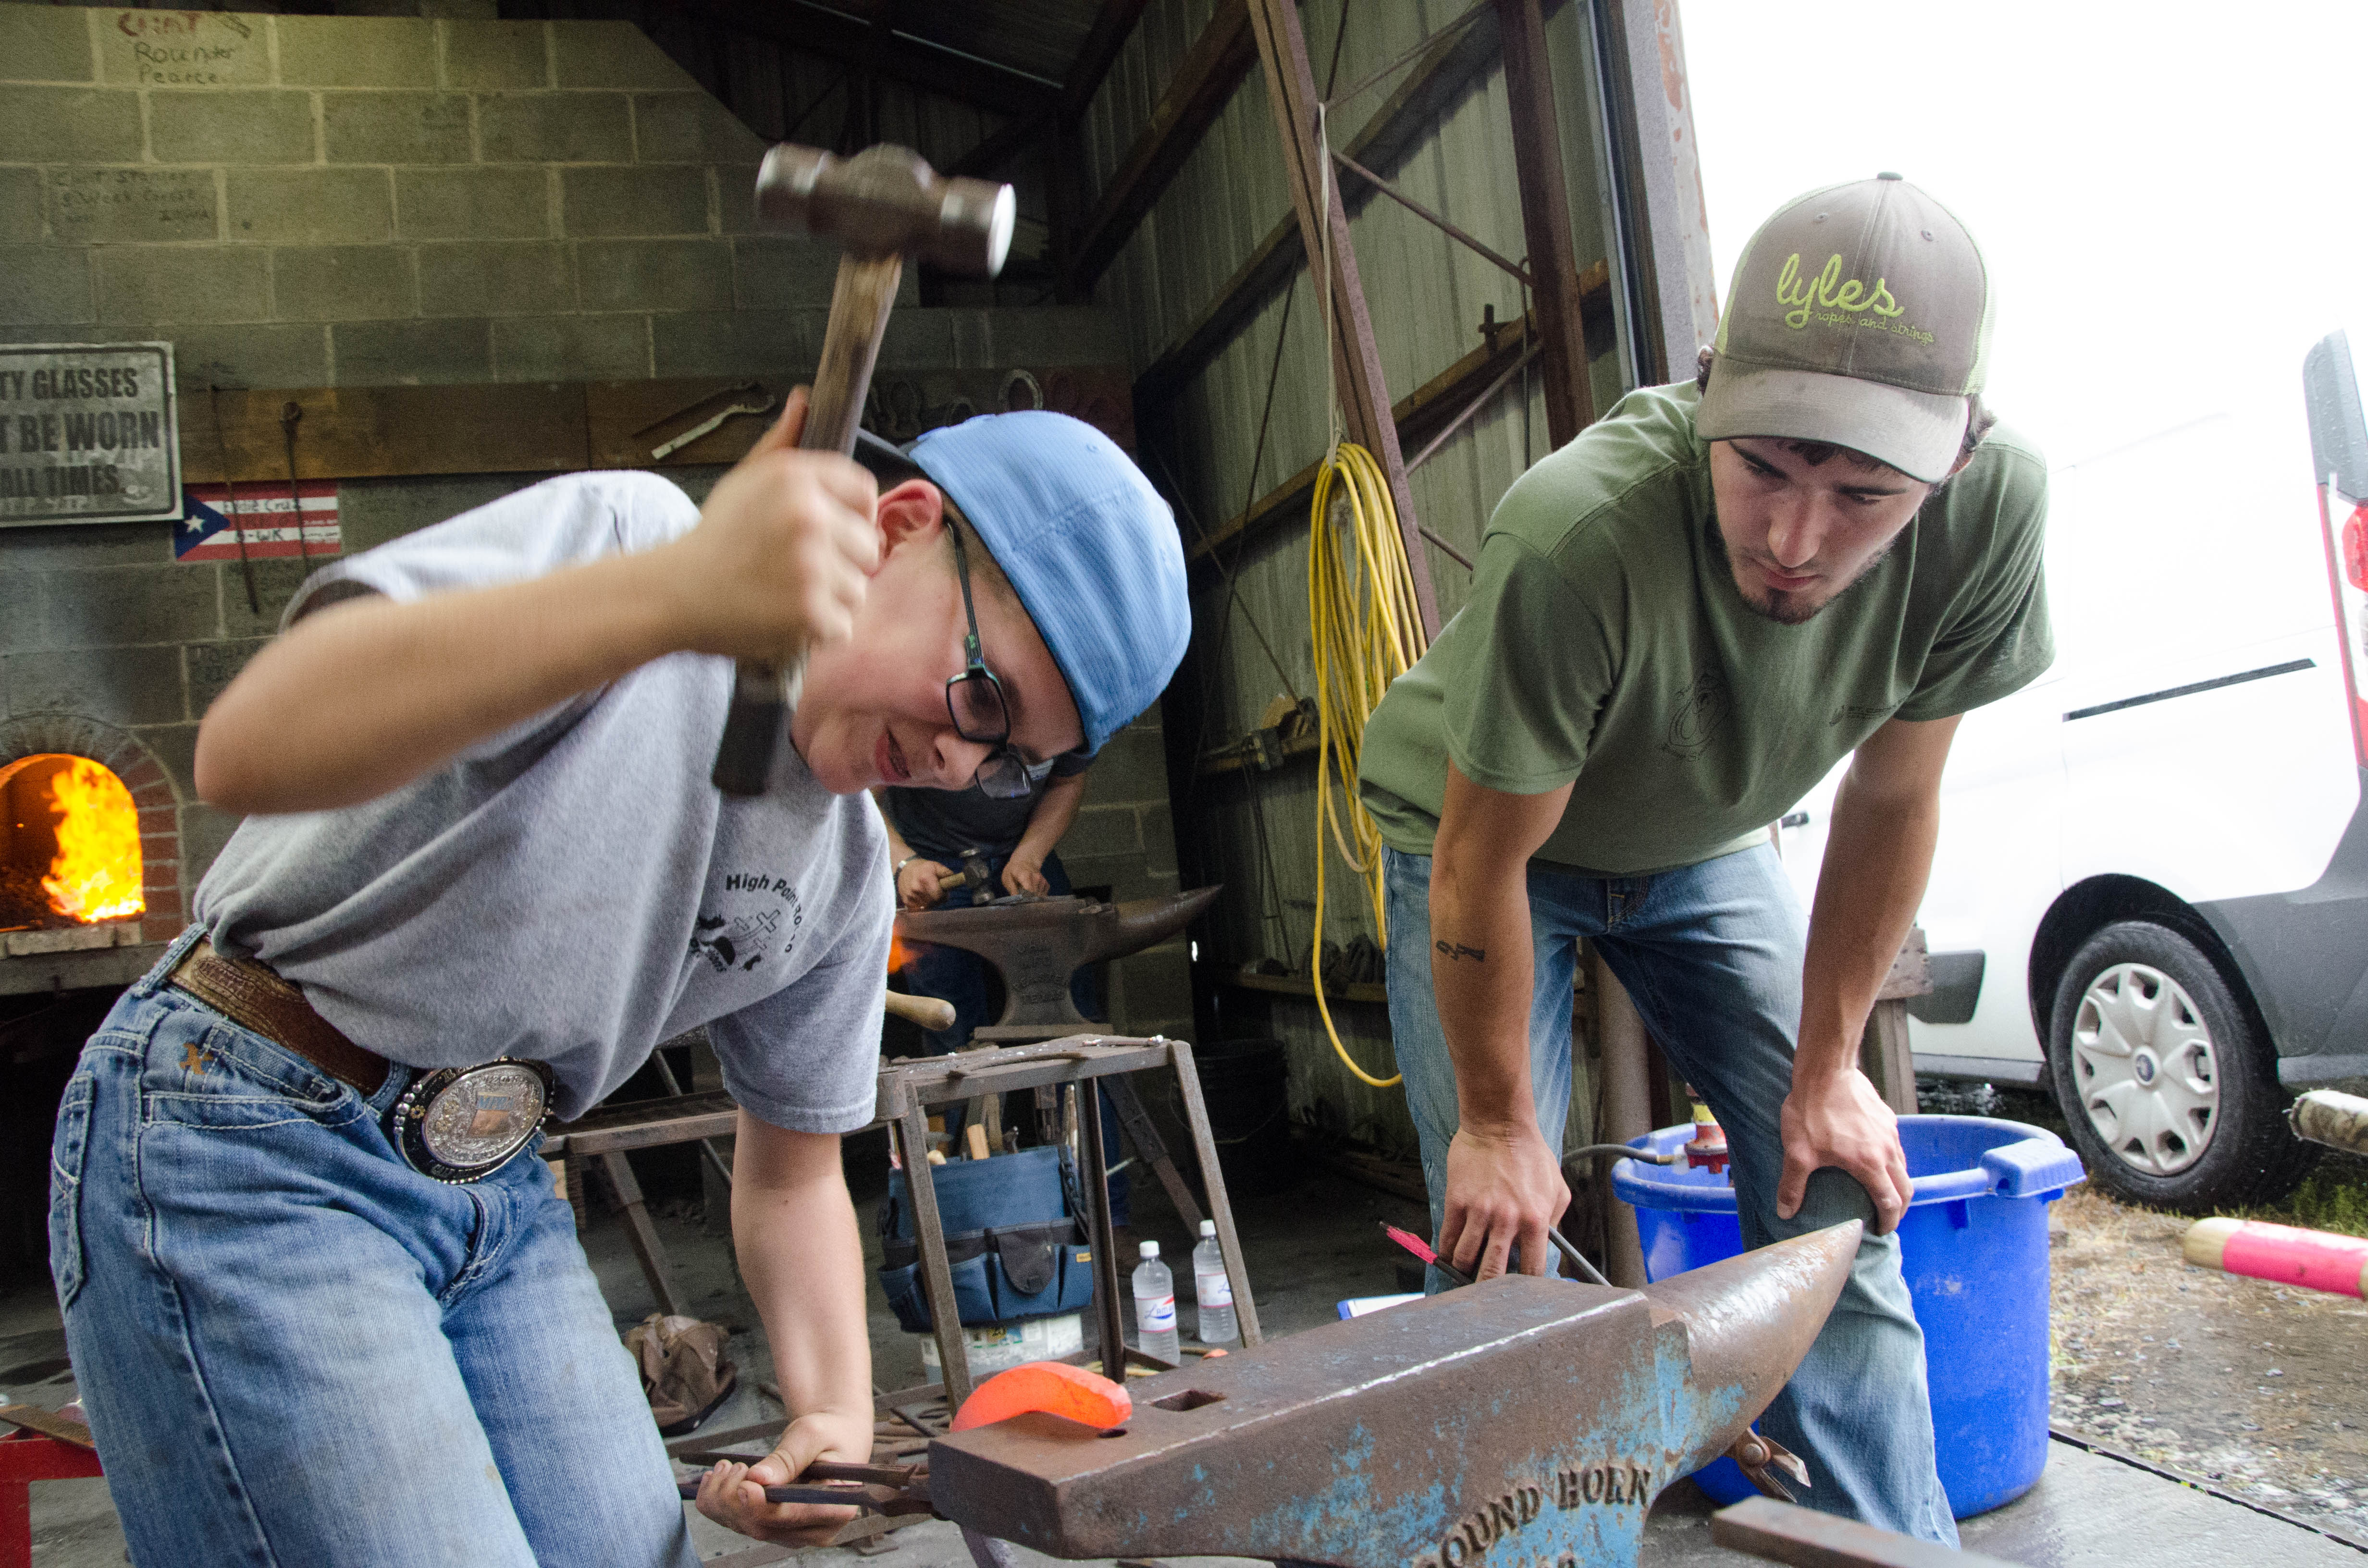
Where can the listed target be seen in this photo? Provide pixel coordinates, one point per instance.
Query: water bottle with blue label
(1154, 1307)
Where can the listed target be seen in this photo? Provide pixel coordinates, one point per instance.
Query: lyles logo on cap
(1829, 291)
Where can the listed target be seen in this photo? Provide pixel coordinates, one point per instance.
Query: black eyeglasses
(975, 700)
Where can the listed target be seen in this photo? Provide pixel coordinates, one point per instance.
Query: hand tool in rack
(880, 205)
(230, 504)
(1518, 1421)
(291, 412)
(765, 405)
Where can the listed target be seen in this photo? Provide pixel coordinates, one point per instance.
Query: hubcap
(2141, 1060)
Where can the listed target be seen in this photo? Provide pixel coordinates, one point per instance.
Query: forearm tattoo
(1455, 950)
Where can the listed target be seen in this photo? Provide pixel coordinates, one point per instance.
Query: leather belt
(251, 993)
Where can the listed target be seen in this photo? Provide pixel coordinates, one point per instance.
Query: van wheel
(2170, 1090)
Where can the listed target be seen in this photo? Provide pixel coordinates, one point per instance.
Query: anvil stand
(910, 1086)
(906, 1090)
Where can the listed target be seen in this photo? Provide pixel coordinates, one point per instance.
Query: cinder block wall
(302, 202)
(345, 200)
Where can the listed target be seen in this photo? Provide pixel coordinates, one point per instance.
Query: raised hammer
(881, 205)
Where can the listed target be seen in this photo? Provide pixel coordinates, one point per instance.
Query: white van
(2151, 890)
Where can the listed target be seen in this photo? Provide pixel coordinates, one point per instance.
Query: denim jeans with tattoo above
(1711, 956)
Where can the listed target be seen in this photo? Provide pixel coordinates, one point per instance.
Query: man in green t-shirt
(1679, 624)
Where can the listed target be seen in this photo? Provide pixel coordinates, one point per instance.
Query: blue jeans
(297, 1350)
(1711, 956)
(959, 976)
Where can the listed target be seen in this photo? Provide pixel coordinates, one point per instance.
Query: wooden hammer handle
(762, 693)
(931, 1013)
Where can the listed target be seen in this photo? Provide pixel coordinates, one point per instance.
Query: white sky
(2173, 198)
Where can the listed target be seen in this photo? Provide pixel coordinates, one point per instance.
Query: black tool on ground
(881, 204)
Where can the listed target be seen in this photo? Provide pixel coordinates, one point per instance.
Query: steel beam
(1433, 86)
(1545, 219)
(1363, 392)
(1627, 1113)
(1419, 415)
(1095, 57)
(839, 35)
(1204, 82)
(1672, 293)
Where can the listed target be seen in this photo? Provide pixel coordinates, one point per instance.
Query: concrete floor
(1308, 1248)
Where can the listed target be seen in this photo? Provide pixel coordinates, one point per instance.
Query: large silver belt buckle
(457, 1124)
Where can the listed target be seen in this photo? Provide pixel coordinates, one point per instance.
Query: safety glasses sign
(88, 434)
(259, 523)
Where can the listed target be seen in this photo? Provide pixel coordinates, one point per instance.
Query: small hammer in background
(881, 205)
(974, 873)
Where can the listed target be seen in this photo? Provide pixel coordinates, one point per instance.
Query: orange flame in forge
(97, 875)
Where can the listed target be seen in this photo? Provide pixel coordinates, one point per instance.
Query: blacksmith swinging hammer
(882, 205)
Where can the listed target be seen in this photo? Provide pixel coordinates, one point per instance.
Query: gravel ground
(2252, 1386)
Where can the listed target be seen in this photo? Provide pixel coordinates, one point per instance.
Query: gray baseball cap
(1859, 315)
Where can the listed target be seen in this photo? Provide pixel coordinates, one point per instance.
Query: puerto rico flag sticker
(266, 515)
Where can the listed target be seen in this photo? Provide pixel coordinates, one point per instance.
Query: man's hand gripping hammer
(881, 205)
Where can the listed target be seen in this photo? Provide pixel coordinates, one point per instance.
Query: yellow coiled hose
(1367, 632)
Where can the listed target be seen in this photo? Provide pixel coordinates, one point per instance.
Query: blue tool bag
(1012, 1237)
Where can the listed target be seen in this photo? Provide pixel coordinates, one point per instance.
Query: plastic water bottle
(1154, 1307)
(1213, 1292)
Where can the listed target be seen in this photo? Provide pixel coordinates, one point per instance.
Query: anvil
(1037, 943)
(1521, 1423)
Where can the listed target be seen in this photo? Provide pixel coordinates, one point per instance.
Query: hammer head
(887, 200)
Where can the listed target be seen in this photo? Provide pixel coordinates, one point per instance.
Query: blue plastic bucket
(1974, 1245)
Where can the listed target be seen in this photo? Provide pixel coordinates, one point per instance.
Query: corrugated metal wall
(1427, 295)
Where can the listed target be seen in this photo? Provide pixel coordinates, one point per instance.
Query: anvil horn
(1749, 1321)
(1141, 922)
(1511, 1422)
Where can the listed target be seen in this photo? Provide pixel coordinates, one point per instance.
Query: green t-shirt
(1606, 643)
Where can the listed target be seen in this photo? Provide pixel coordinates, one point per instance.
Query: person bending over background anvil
(1680, 622)
(312, 1328)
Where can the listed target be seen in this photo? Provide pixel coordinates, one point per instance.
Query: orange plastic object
(1054, 1386)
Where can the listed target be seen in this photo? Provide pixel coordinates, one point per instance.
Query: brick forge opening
(37, 753)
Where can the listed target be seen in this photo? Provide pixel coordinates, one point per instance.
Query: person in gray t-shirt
(481, 830)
